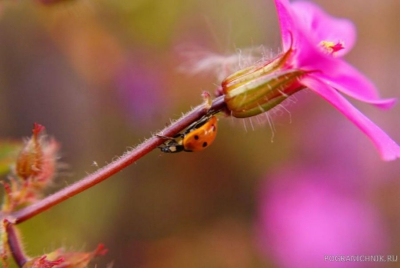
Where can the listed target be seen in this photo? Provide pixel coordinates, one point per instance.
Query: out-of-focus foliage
(8, 153)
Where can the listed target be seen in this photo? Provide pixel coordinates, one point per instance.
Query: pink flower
(303, 222)
(313, 43)
(318, 41)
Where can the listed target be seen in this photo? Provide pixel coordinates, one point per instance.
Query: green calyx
(255, 90)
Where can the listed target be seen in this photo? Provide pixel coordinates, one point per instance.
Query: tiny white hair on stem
(198, 60)
(271, 125)
(244, 124)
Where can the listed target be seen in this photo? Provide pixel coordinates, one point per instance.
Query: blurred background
(102, 75)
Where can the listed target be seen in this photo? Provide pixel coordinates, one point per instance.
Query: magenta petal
(286, 21)
(323, 27)
(351, 82)
(388, 148)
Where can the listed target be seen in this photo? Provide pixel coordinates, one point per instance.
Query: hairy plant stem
(14, 244)
(107, 171)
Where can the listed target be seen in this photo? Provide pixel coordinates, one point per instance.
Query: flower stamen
(331, 47)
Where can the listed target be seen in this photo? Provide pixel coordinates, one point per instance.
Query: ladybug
(196, 137)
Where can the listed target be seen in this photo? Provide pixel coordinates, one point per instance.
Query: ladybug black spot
(205, 144)
(196, 137)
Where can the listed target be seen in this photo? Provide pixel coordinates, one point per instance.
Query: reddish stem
(14, 243)
(115, 166)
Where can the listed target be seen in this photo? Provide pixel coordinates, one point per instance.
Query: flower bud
(257, 89)
(30, 159)
(37, 161)
(60, 258)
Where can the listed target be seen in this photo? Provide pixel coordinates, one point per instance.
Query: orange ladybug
(196, 137)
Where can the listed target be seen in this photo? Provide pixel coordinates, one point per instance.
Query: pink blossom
(303, 222)
(316, 42)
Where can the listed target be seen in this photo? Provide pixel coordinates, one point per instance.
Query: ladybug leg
(171, 146)
(170, 138)
(164, 137)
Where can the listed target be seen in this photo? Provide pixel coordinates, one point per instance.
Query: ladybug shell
(200, 138)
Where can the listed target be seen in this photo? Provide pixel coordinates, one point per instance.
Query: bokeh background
(103, 75)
